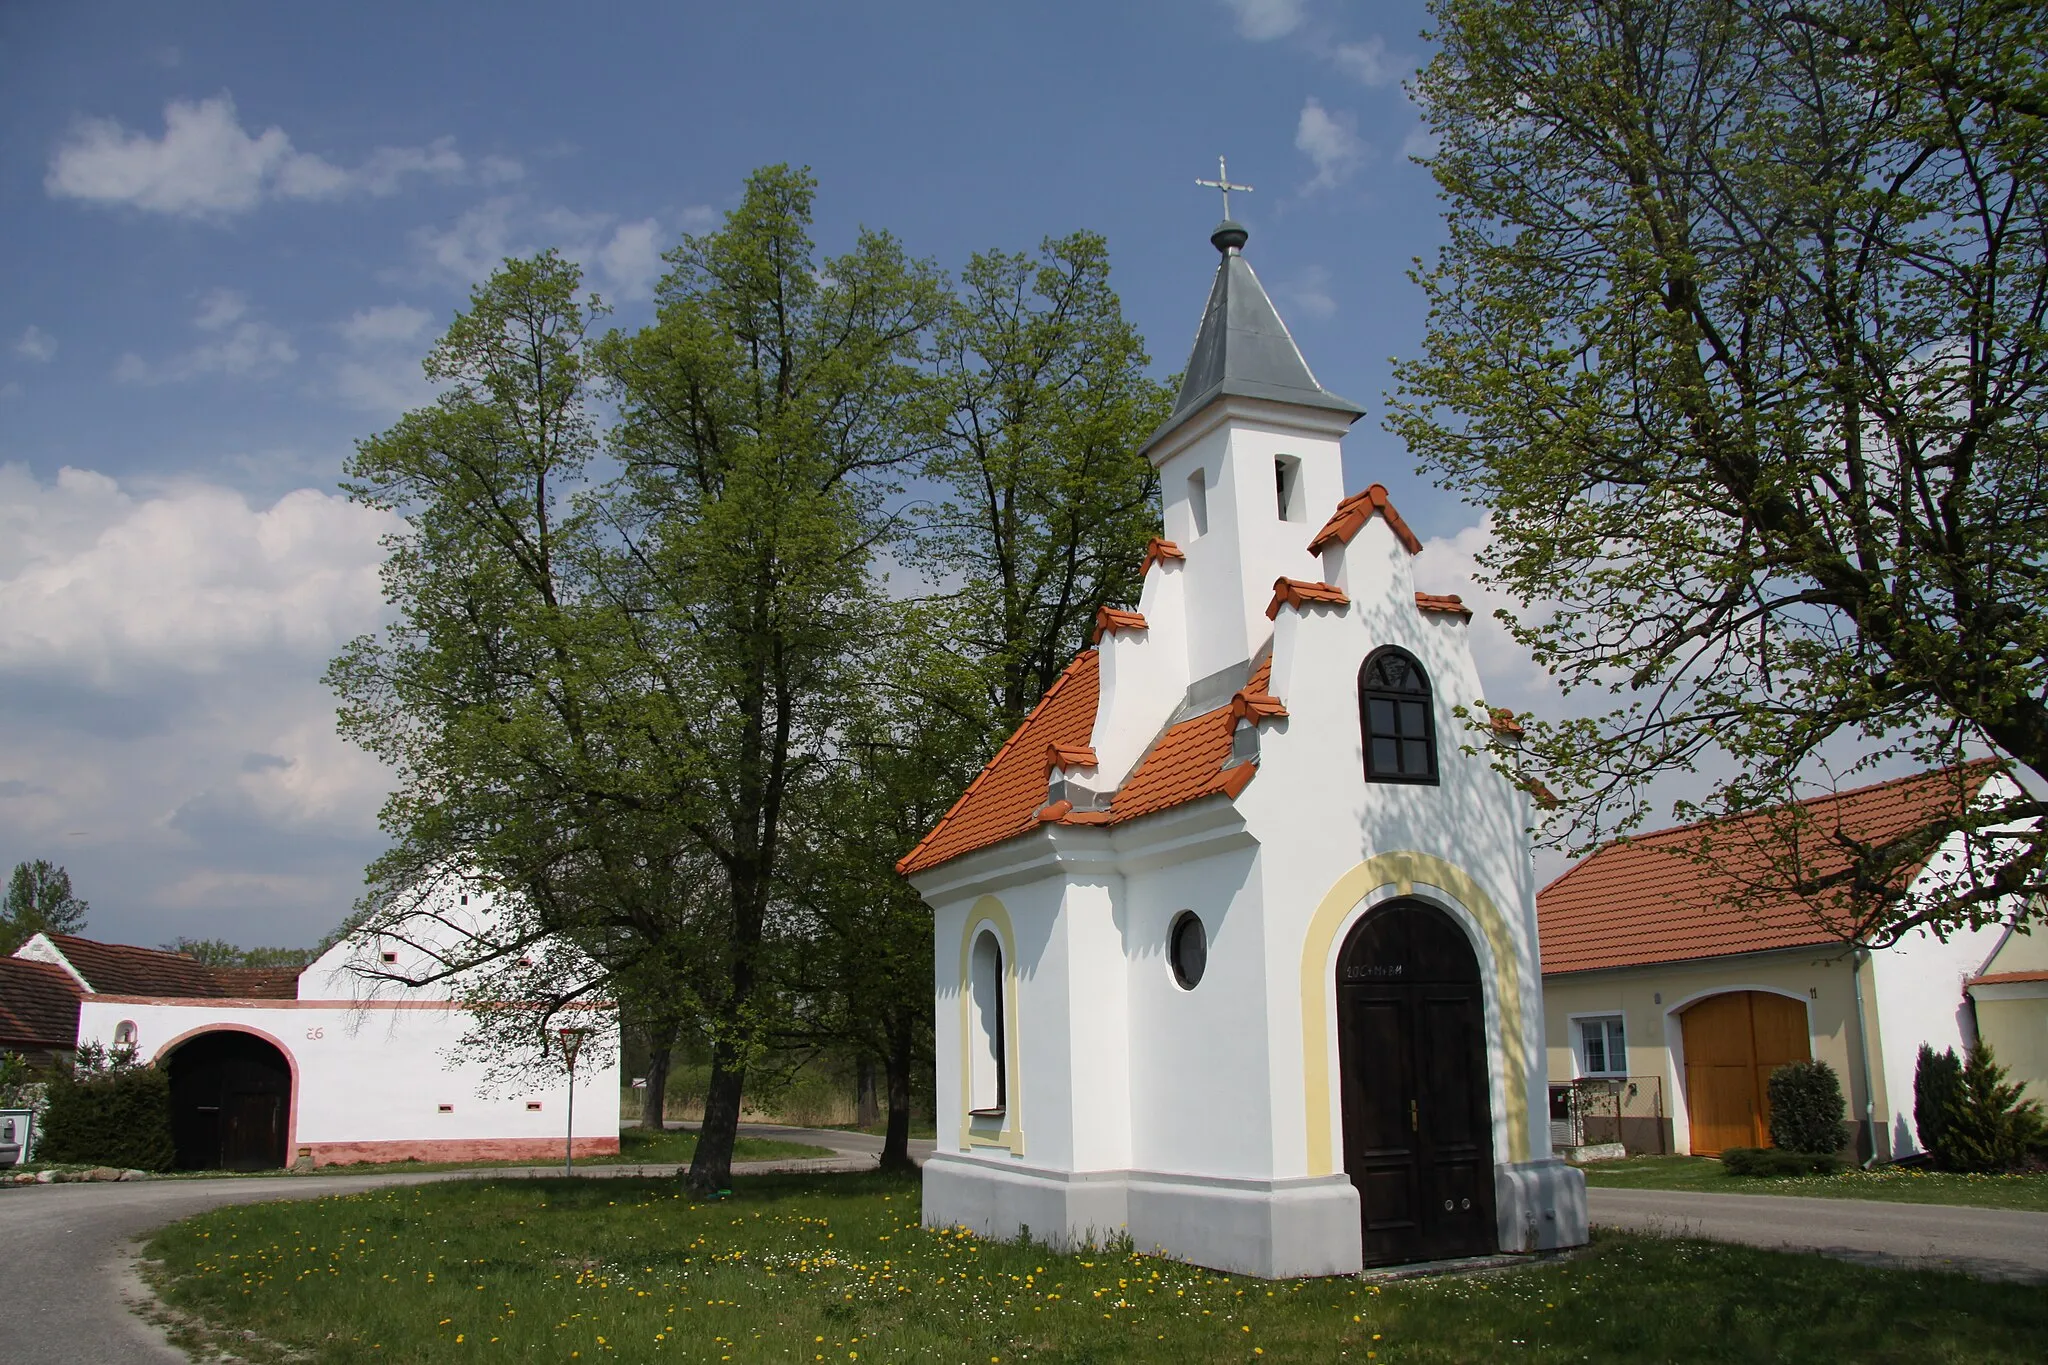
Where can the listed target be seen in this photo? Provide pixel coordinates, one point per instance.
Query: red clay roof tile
(1449, 603)
(1157, 550)
(1110, 620)
(1648, 899)
(1354, 512)
(38, 1006)
(1058, 755)
(124, 969)
(1298, 592)
(2006, 978)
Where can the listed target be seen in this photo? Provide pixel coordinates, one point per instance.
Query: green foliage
(1775, 1162)
(1807, 1109)
(218, 952)
(39, 901)
(109, 1112)
(1937, 1090)
(1990, 1127)
(1737, 336)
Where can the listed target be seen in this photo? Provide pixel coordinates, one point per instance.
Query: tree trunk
(711, 1168)
(896, 1145)
(661, 1042)
(866, 1110)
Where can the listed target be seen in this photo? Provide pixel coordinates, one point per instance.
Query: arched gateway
(1418, 1124)
(231, 1100)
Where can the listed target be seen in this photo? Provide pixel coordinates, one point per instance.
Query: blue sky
(232, 230)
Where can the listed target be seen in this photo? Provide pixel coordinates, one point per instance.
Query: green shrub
(1807, 1108)
(1991, 1127)
(109, 1115)
(1937, 1089)
(1778, 1161)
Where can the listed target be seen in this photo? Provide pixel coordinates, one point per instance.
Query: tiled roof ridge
(1085, 659)
(1299, 592)
(1159, 549)
(1448, 603)
(1111, 620)
(2007, 978)
(1354, 512)
(1058, 755)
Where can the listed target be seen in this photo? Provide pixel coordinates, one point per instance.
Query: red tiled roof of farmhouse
(124, 969)
(38, 1006)
(1185, 763)
(1646, 899)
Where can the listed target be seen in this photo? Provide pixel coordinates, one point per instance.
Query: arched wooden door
(1418, 1119)
(1733, 1042)
(231, 1095)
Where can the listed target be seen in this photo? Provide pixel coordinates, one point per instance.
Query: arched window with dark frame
(1397, 718)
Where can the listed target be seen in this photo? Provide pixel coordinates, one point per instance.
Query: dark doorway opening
(231, 1097)
(1418, 1120)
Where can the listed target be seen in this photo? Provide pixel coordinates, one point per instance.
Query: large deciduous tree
(763, 417)
(39, 901)
(1739, 332)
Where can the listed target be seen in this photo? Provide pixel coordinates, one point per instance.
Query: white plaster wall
(1200, 1099)
(373, 1074)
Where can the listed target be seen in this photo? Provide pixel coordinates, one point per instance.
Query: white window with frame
(1602, 1047)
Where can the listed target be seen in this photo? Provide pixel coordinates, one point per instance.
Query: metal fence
(1602, 1109)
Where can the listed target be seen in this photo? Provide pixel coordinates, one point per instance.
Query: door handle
(1413, 1126)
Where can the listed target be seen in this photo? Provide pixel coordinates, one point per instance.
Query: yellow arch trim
(990, 912)
(1402, 871)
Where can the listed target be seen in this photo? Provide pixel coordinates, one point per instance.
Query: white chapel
(1236, 948)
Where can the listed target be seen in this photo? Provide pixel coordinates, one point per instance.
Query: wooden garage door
(1733, 1043)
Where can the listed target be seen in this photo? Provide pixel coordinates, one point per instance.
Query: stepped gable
(124, 969)
(1444, 603)
(38, 1006)
(1185, 763)
(1645, 899)
(1354, 512)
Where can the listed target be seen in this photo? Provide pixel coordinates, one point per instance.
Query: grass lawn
(1898, 1184)
(836, 1268)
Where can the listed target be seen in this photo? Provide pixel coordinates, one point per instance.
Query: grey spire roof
(1243, 349)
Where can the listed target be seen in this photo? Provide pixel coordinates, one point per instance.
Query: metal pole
(569, 1138)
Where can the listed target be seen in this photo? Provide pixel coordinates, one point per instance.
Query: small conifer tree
(1990, 1127)
(1937, 1087)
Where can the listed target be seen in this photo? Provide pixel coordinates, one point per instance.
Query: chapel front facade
(1236, 948)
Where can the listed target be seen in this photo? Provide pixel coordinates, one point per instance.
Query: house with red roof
(336, 1064)
(1236, 946)
(1677, 976)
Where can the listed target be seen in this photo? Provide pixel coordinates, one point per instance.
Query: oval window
(1187, 948)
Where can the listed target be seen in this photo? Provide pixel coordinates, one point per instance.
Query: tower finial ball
(1229, 236)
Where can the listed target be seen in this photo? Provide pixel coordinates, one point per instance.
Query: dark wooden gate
(1418, 1123)
(231, 1095)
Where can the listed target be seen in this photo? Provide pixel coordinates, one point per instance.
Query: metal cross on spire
(1222, 182)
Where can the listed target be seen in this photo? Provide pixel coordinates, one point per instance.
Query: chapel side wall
(1312, 800)
(1224, 1125)
(369, 1081)
(1651, 1001)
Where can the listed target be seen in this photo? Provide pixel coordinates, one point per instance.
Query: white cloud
(631, 260)
(470, 248)
(1310, 292)
(37, 345)
(1330, 141)
(1369, 63)
(1262, 20)
(1450, 564)
(237, 346)
(206, 165)
(700, 218)
(1421, 143)
(380, 370)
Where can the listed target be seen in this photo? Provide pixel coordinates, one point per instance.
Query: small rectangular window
(1198, 501)
(533, 1106)
(390, 956)
(445, 1108)
(1287, 487)
(1603, 1050)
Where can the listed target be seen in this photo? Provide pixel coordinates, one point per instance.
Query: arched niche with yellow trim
(1400, 874)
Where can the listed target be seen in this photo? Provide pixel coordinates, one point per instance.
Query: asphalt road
(1994, 1244)
(69, 1249)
